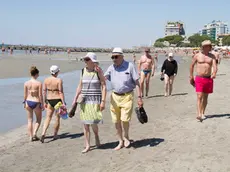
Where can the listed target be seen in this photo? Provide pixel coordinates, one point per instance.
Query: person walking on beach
(124, 79)
(53, 93)
(169, 72)
(146, 69)
(33, 102)
(217, 55)
(92, 86)
(203, 81)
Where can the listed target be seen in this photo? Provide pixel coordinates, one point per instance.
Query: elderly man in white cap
(169, 72)
(206, 69)
(124, 79)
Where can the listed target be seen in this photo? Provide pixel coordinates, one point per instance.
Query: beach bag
(141, 115)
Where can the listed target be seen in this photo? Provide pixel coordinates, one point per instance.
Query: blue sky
(102, 23)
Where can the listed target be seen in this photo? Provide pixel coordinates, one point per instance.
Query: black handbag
(141, 115)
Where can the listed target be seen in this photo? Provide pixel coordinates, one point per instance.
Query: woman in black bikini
(53, 93)
(33, 102)
(169, 70)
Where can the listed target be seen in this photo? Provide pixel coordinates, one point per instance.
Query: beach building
(214, 29)
(174, 28)
(220, 38)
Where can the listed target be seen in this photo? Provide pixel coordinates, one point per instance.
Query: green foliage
(196, 40)
(174, 39)
(159, 44)
(226, 40)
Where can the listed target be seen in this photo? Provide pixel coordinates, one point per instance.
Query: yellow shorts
(121, 107)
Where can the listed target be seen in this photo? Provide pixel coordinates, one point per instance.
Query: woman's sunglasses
(114, 57)
(87, 59)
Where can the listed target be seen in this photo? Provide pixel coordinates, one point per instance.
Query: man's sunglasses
(114, 57)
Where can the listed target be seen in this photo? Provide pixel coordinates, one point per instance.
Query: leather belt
(122, 94)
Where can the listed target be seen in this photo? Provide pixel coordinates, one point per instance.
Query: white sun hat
(170, 55)
(117, 51)
(54, 69)
(92, 56)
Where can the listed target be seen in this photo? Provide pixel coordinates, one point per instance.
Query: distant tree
(226, 40)
(174, 39)
(197, 39)
(159, 44)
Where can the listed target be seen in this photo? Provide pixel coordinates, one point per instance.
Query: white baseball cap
(117, 51)
(170, 55)
(54, 69)
(92, 56)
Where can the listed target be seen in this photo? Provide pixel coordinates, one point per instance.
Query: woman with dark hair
(54, 95)
(33, 102)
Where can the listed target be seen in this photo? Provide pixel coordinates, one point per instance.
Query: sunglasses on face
(114, 57)
(87, 59)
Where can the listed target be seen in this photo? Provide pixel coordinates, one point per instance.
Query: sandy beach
(13, 66)
(172, 140)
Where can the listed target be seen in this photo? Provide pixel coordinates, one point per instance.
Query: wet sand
(19, 65)
(172, 140)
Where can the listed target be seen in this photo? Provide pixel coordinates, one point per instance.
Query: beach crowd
(125, 77)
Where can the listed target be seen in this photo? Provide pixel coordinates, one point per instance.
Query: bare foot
(199, 118)
(56, 137)
(126, 143)
(166, 94)
(203, 117)
(86, 149)
(119, 146)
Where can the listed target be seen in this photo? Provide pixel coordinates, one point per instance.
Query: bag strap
(82, 72)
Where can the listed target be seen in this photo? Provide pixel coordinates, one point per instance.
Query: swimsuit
(54, 102)
(204, 84)
(32, 104)
(146, 71)
(169, 67)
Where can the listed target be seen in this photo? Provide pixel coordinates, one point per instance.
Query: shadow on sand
(178, 94)
(218, 116)
(135, 144)
(65, 136)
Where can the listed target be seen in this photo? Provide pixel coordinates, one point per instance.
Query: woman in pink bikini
(33, 102)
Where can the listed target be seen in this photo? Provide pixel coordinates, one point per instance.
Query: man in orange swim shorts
(203, 82)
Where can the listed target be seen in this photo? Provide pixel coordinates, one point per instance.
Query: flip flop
(42, 139)
(35, 138)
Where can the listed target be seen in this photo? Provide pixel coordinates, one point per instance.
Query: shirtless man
(203, 81)
(146, 69)
(217, 55)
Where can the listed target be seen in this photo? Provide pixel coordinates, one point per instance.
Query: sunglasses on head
(114, 57)
(87, 59)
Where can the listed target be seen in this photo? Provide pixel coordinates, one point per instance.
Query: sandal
(35, 138)
(42, 139)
